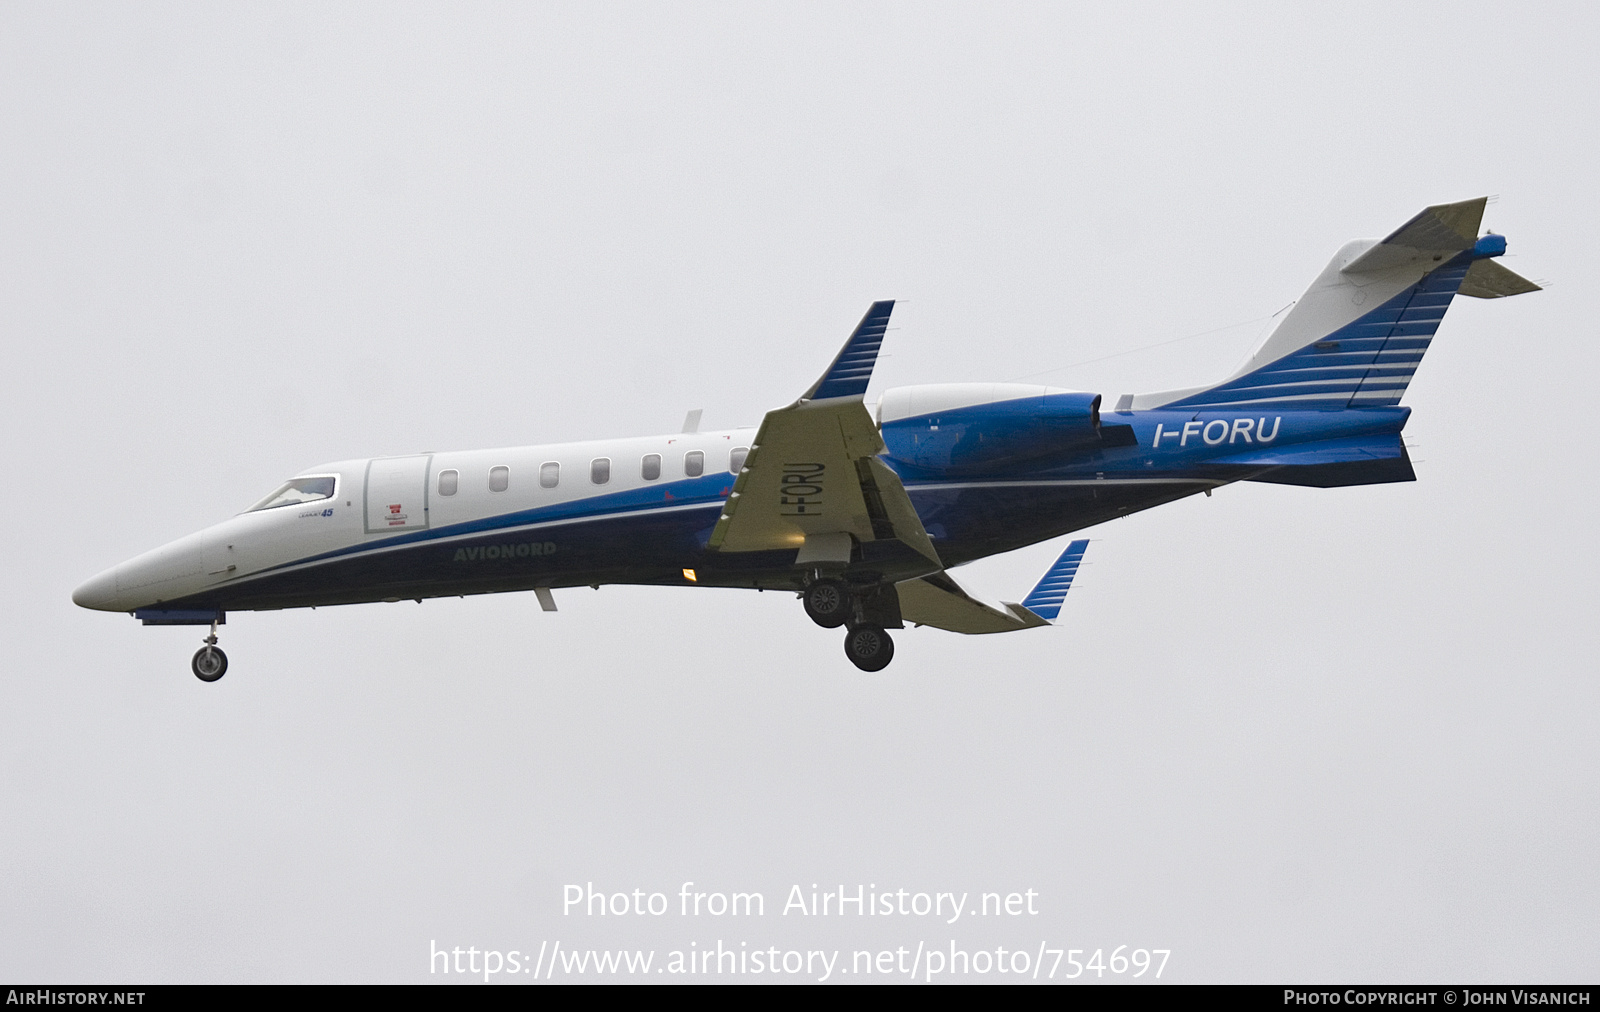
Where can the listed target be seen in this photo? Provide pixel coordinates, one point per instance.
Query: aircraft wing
(813, 481)
(939, 601)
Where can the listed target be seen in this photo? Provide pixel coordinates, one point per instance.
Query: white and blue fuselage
(642, 510)
(860, 510)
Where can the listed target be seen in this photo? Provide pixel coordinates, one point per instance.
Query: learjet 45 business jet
(862, 511)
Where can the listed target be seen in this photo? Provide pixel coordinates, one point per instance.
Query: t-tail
(1357, 335)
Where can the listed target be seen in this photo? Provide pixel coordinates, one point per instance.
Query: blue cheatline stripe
(849, 373)
(1045, 599)
(1367, 363)
(690, 493)
(702, 492)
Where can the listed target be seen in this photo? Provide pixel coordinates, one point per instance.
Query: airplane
(862, 513)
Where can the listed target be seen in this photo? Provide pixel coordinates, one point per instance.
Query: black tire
(209, 664)
(869, 647)
(828, 603)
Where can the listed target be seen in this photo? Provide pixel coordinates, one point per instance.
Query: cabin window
(499, 479)
(296, 491)
(449, 482)
(736, 458)
(549, 474)
(694, 463)
(600, 470)
(650, 467)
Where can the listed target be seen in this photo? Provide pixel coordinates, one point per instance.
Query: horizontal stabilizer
(1486, 279)
(1440, 230)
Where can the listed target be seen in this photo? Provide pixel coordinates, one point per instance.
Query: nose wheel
(209, 663)
(869, 647)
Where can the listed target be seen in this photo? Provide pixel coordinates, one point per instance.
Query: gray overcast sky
(1289, 734)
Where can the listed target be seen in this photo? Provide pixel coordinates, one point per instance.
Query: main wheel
(828, 603)
(209, 664)
(869, 647)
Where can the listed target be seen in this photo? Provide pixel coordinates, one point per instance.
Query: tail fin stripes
(852, 369)
(1045, 599)
(1356, 336)
(1366, 363)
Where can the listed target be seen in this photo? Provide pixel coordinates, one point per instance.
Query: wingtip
(1047, 595)
(851, 370)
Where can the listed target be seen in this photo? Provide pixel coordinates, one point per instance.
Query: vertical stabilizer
(1355, 338)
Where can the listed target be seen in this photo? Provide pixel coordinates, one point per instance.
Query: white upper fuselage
(262, 539)
(358, 512)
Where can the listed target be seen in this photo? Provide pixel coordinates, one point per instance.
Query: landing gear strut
(869, 647)
(209, 663)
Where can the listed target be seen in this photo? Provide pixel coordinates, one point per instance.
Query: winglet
(850, 371)
(1045, 599)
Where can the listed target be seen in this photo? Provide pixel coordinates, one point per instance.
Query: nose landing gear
(209, 663)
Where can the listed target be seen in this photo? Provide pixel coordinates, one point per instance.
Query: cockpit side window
(298, 490)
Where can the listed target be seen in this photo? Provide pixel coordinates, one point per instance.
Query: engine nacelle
(959, 427)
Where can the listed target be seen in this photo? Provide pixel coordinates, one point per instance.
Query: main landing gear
(828, 603)
(209, 663)
(868, 647)
(866, 611)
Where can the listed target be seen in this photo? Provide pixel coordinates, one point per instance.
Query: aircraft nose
(99, 593)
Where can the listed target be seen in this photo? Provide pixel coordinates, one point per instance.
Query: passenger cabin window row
(694, 465)
(499, 479)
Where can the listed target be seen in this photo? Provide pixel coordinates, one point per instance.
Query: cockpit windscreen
(296, 491)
